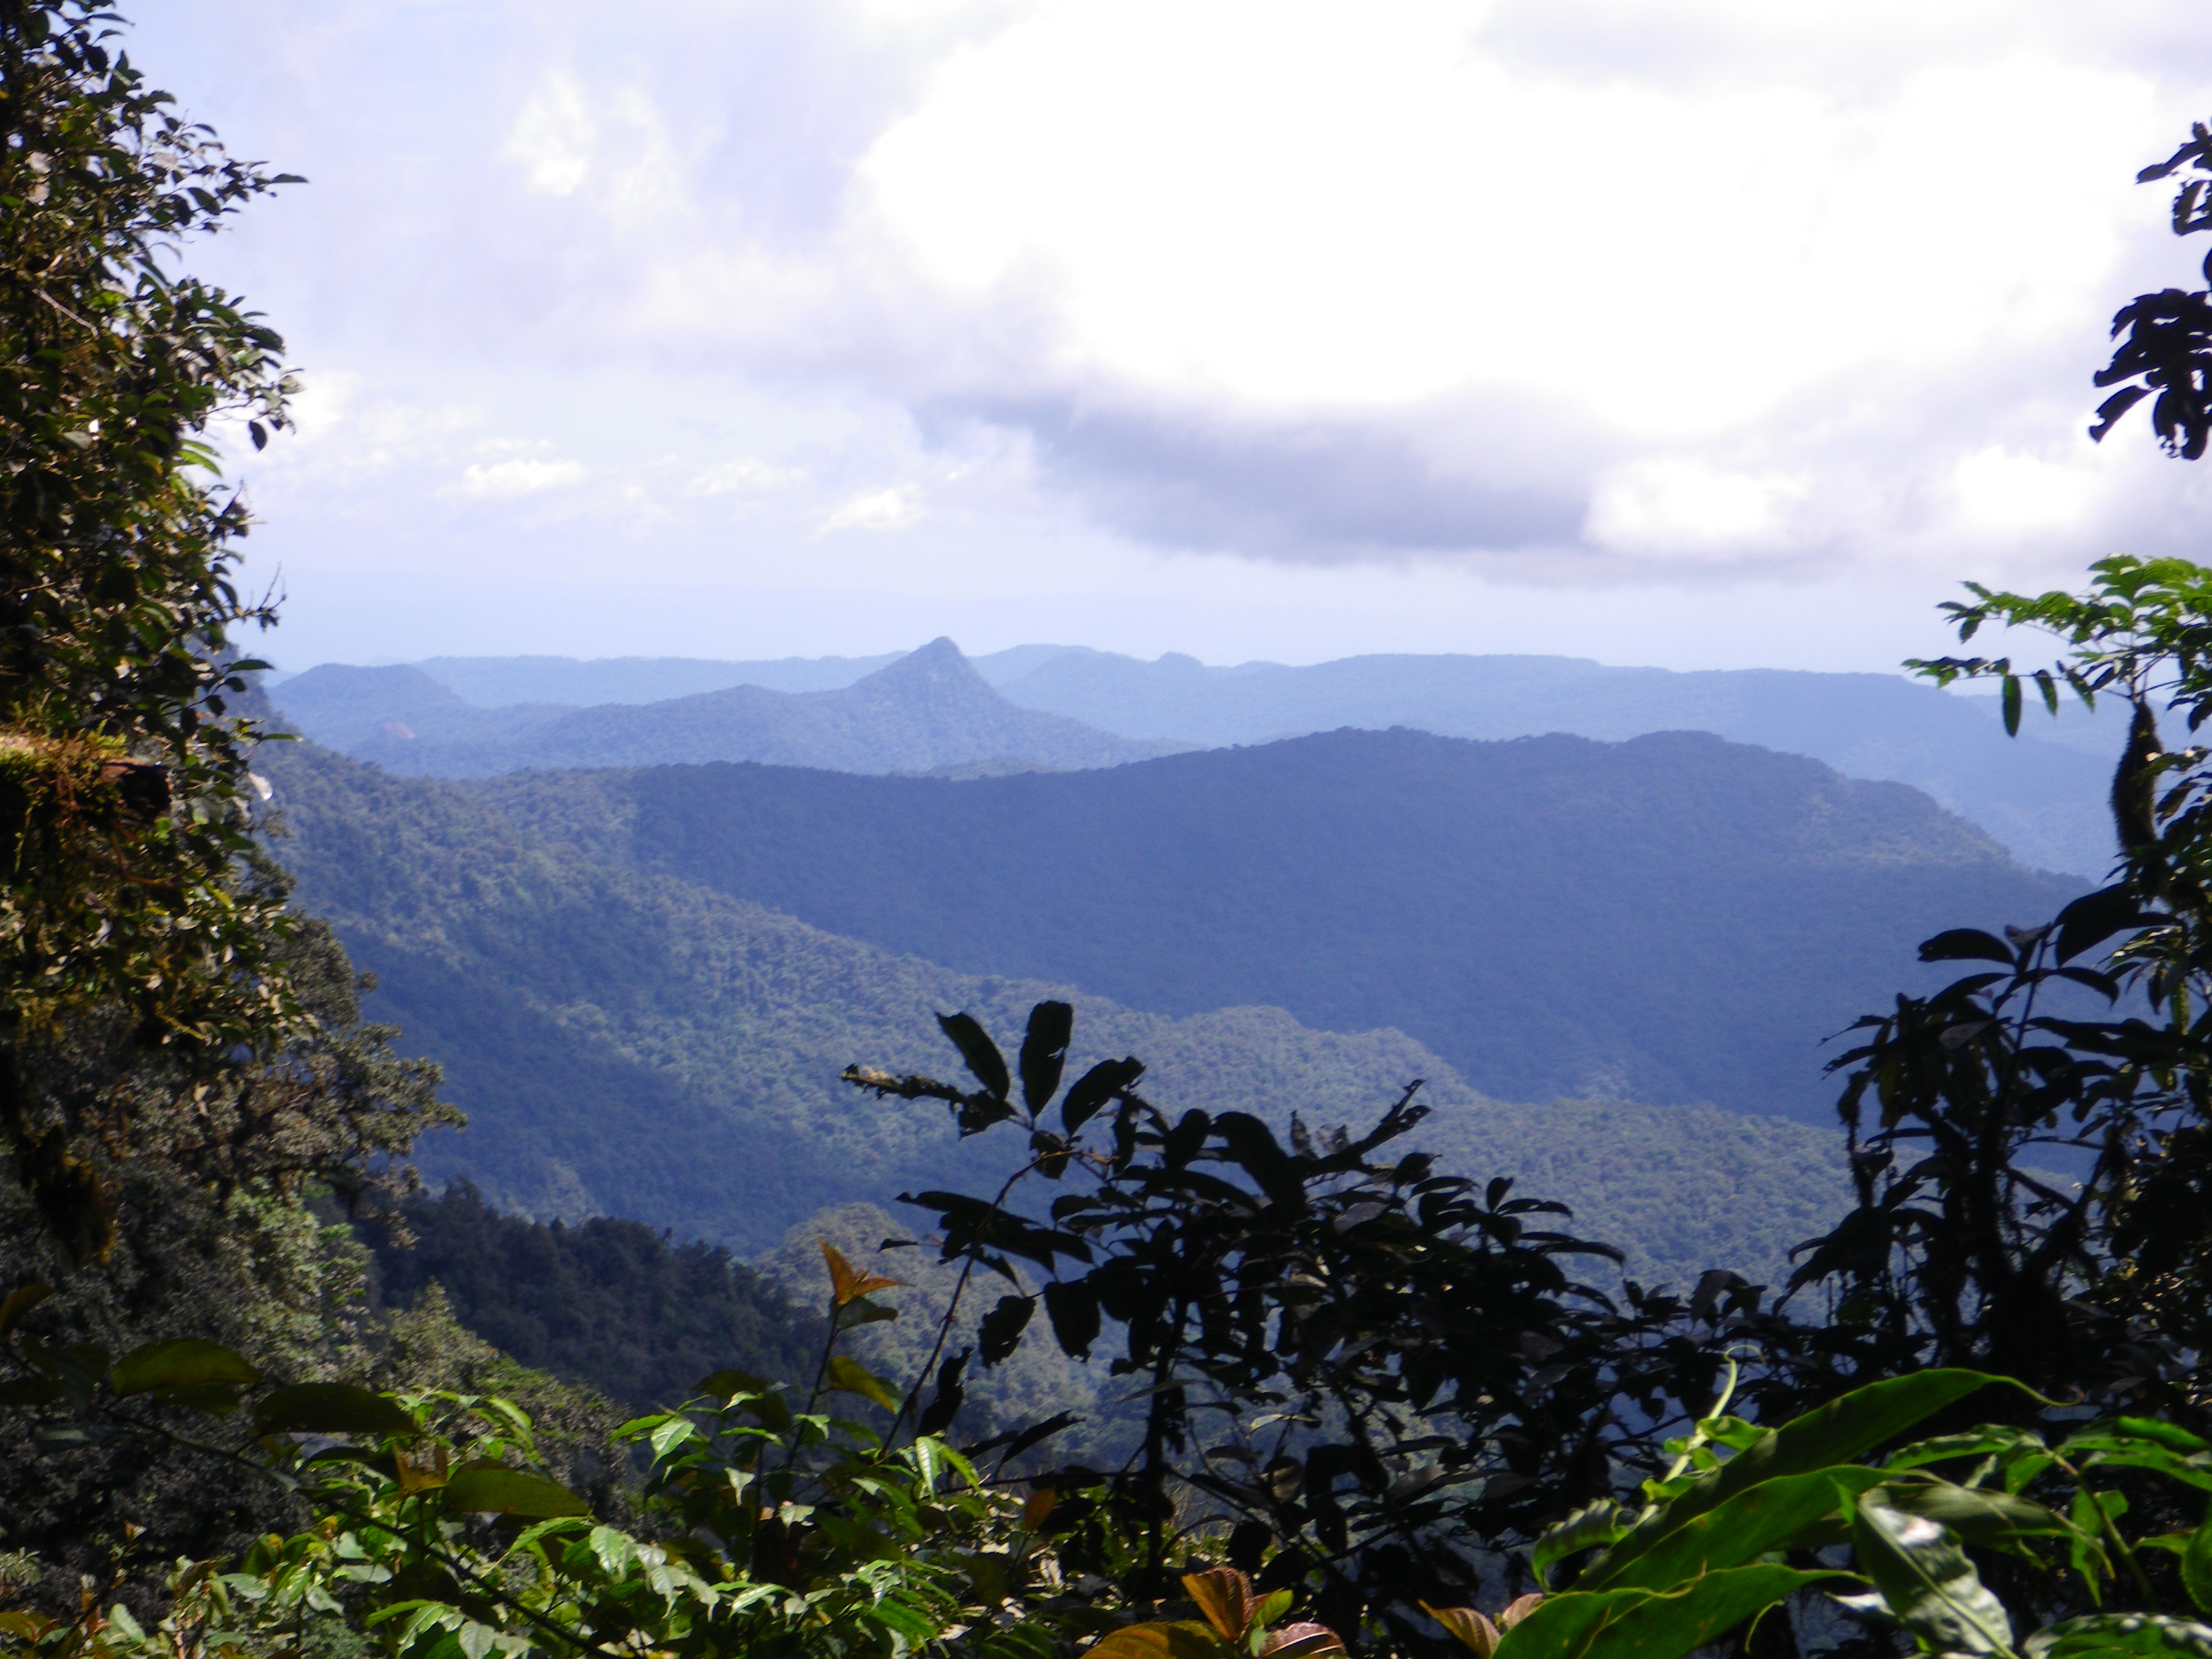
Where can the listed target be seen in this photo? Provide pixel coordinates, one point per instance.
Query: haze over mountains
(1673, 919)
(928, 711)
(636, 1043)
(2039, 793)
(644, 965)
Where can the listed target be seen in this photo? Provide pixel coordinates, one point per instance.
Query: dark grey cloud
(1506, 476)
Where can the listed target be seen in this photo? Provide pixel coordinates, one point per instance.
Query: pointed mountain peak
(939, 662)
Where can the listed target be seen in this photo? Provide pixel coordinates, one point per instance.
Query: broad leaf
(1981, 1518)
(1094, 1088)
(1775, 1515)
(1044, 1052)
(20, 1301)
(1073, 1308)
(981, 1054)
(1225, 1595)
(1601, 1523)
(1301, 1642)
(848, 1376)
(951, 1395)
(177, 1365)
(2196, 1566)
(1927, 1581)
(1967, 945)
(1001, 1330)
(1845, 1428)
(1470, 1629)
(330, 1408)
(2138, 1635)
(1185, 1638)
(1643, 1624)
(511, 1492)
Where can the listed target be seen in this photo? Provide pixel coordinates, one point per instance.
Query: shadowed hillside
(2041, 798)
(1670, 918)
(644, 1046)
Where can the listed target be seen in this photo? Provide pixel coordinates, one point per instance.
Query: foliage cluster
(126, 798)
(611, 1304)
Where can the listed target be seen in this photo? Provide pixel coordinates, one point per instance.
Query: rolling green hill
(641, 1046)
(1674, 919)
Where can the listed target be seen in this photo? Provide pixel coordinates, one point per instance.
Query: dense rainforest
(1193, 1334)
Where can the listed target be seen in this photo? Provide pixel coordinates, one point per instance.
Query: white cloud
(1568, 291)
(2004, 491)
(506, 480)
(1688, 509)
(748, 475)
(877, 509)
(553, 135)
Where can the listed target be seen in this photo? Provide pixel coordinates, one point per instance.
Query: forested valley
(948, 1176)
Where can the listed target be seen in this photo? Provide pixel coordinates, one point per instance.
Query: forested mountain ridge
(927, 711)
(2039, 797)
(639, 1045)
(1672, 918)
(2038, 794)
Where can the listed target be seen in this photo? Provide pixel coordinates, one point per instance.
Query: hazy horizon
(1699, 336)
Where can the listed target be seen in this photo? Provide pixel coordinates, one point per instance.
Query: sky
(1702, 333)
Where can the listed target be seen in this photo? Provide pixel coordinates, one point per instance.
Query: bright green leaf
(1927, 1581)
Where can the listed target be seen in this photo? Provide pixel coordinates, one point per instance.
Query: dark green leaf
(951, 1395)
(511, 1492)
(2134, 1635)
(20, 1301)
(1965, 944)
(177, 1365)
(30, 1391)
(980, 1053)
(1002, 1327)
(1044, 1052)
(1074, 1310)
(330, 1408)
(766, 1406)
(1985, 1518)
(2091, 920)
(2012, 705)
(1094, 1088)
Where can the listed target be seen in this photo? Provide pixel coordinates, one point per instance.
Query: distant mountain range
(2040, 793)
(635, 1043)
(927, 711)
(1672, 918)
